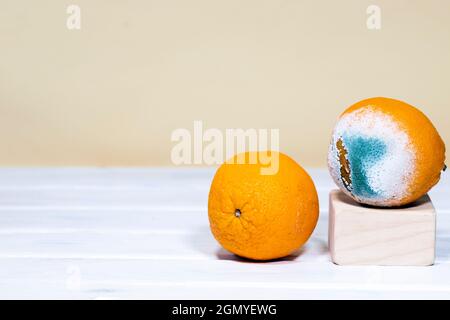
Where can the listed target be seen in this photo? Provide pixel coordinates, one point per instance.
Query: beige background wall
(112, 93)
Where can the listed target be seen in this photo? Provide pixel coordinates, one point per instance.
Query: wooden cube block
(361, 235)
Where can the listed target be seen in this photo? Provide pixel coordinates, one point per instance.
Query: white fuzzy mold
(371, 158)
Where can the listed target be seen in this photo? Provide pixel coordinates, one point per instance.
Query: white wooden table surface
(143, 233)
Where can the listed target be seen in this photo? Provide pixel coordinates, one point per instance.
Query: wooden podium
(361, 235)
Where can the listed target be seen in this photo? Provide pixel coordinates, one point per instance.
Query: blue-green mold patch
(363, 154)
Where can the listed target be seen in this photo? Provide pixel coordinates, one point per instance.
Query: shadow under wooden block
(361, 235)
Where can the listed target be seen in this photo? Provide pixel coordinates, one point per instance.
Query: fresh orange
(385, 152)
(262, 216)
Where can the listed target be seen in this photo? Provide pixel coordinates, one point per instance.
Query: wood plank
(136, 189)
(100, 177)
(104, 220)
(218, 279)
(130, 237)
(196, 244)
(132, 177)
(126, 220)
(113, 177)
(138, 199)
